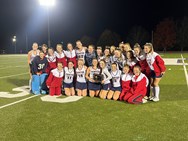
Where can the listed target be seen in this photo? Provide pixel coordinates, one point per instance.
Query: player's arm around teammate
(68, 79)
(31, 55)
(60, 56)
(138, 88)
(52, 63)
(93, 87)
(81, 84)
(157, 68)
(70, 54)
(125, 81)
(39, 74)
(106, 81)
(116, 84)
(54, 81)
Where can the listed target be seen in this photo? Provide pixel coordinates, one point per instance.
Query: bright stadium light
(47, 3)
(14, 42)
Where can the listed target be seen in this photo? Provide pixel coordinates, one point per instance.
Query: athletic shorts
(81, 86)
(68, 85)
(94, 86)
(153, 75)
(106, 87)
(115, 88)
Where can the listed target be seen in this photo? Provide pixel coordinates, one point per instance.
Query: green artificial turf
(93, 119)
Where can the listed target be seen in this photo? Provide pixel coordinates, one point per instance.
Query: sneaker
(155, 99)
(151, 98)
(146, 97)
(43, 92)
(36, 92)
(144, 100)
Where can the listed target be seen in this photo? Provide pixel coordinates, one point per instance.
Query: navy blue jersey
(39, 65)
(89, 57)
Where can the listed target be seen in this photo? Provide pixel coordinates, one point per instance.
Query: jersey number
(41, 66)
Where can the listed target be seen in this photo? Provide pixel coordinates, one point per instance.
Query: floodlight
(47, 3)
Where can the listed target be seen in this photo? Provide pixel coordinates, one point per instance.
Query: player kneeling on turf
(68, 79)
(54, 81)
(138, 88)
(115, 90)
(125, 81)
(81, 85)
(93, 84)
(39, 74)
(106, 80)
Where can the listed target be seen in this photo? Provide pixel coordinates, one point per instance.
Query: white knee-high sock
(157, 90)
(29, 84)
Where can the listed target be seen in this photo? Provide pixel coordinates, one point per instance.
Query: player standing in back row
(81, 51)
(157, 68)
(31, 55)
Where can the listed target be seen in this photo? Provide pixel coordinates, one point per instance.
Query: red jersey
(126, 82)
(143, 64)
(55, 78)
(52, 64)
(61, 58)
(156, 63)
(139, 84)
(71, 56)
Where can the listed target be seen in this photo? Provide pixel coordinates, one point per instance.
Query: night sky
(72, 19)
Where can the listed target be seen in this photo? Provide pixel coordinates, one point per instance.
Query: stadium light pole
(14, 42)
(47, 4)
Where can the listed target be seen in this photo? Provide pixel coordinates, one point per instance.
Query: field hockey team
(118, 73)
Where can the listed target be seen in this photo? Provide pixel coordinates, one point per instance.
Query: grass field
(93, 119)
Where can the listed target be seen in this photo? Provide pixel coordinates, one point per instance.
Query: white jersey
(150, 58)
(69, 75)
(126, 77)
(70, 54)
(108, 61)
(57, 73)
(33, 55)
(81, 54)
(81, 75)
(59, 56)
(107, 76)
(93, 71)
(141, 57)
(116, 77)
(99, 58)
(119, 61)
(131, 63)
(51, 58)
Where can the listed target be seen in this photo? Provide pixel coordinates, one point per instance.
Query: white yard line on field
(13, 75)
(10, 104)
(12, 63)
(185, 70)
(23, 66)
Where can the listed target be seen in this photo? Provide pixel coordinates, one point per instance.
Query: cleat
(155, 99)
(144, 100)
(43, 92)
(151, 98)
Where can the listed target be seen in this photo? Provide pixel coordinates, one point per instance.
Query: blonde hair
(150, 47)
(137, 46)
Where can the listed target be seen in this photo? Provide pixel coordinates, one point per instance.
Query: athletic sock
(153, 91)
(157, 92)
(30, 84)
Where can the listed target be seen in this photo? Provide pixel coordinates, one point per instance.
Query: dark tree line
(168, 35)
